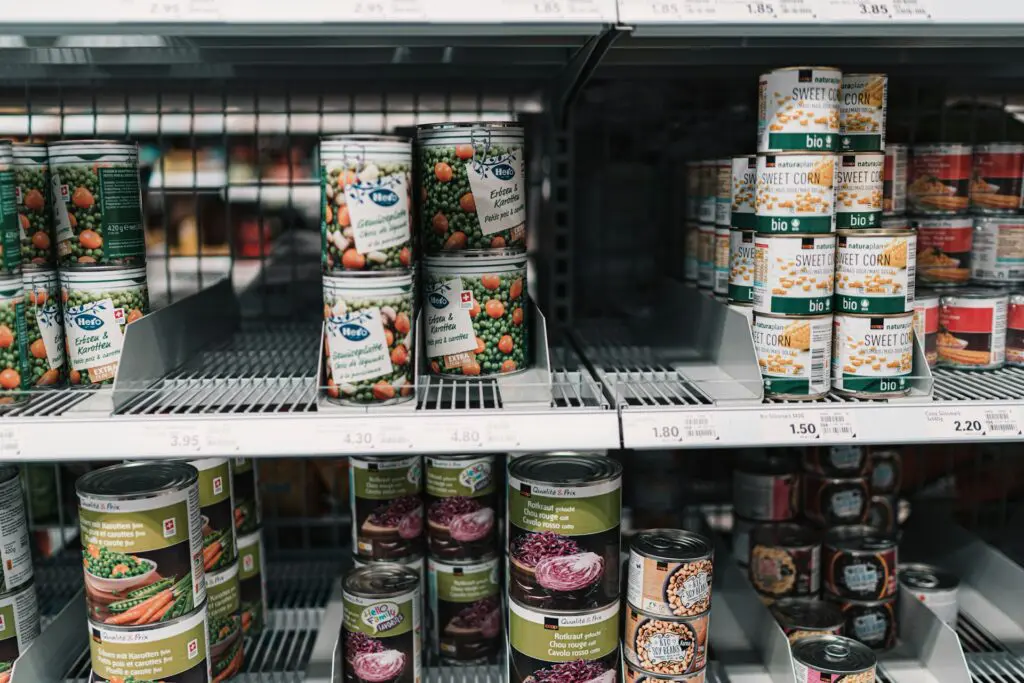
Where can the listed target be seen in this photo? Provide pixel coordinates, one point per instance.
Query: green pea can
(368, 338)
(35, 208)
(472, 180)
(97, 202)
(245, 490)
(224, 613)
(365, 202)
(99, 302)
(44, 325)
(476, 314)
(10, 226)
(217, 512)
(252, 578)
(14, 365)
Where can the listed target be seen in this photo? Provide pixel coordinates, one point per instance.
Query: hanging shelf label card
(724, 11)
(874, 10)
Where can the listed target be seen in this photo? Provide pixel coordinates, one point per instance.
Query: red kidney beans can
(894, 180)
(801, 618)
(830, 501)
(939, 179)
(871, 622)
(859, 563)
(972, 329)
(1015, 331)
(766, 489)
(926, 324)
(785, 561)
(997, 179)
(944, 250)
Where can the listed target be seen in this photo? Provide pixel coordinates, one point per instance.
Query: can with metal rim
(15, 367)
(872, 623)
(794, 274)
(829, 501)
(895, 223)
(216, 506)
(10, 221)
(706, 256)
(766, 489)
(246, 492)
(708, 191)
(252, 577)
(944, 248)
(939, 178)
(875, 271)
(833, 658)
(723, 192)
(972, 328)
(34, 205)
(883, 512)
(670, 572)
(720, 284)
(859, 190)
(465, 607)
(862, 109)
(894, 180)
(886, 470)
(387, 510)
(461, 505)
(926, 324)
(997, 251)
(794, 354)
(795, 193)
(691, 253)
(382, 627)
(801, 618)
(44, 326)
(785, 561)
(997, 179)
(636, 675)
(16, 548)
(859, 563)
(873, 356)
(798, 109)
(1015, 330)
(563, 530)
(665, 645)
(742, 259)
(935, 587)
(545, 644)
(743, 190)
(21, 625)
(224, 612)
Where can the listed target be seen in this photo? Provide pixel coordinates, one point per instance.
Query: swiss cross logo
(193, 648)
(119, 315)
(218, 485)
(64, 192)
(170, 527)
(247, 562)
(466, 300)
(18, 198)
(3, 623)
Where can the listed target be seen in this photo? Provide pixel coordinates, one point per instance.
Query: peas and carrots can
(10, 224)
(35, 208)
(14, 357)
(44, 326)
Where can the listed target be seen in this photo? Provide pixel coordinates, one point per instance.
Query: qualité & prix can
(545, 644)
(871, 622)
(691, 253)
(836, 461)
(723, 192)
(224, 613)
(766, 489)
(665, 645)
(1014, 330)
(742, 263)
(743, 191)
(886, 471)
(708, 191)
(926, 324)
(15, 544)
(706, 256)
(720, 284)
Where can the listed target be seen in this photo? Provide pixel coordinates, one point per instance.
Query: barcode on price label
(699, 428)
(660, 11)
(1000, 422)
(837, 425)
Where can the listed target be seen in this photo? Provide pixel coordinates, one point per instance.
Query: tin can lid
(565, 470)
(808, 614)
(415, 561)
(671, 544)
(461, 125)
(381, 580)
(33, 153)
(369, 281)
(789, 535)
(975, 293)
(140, 479)
(926, 298)
(860, 537)
(362, 137)
(475, 260)
(916, 576)
(484, 561)
(834, 654)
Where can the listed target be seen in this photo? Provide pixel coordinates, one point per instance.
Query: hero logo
(383, 616)
(170, 527)
(437, 300)
(88, 321)
(383, 197)
(354, 332)
(503, 172)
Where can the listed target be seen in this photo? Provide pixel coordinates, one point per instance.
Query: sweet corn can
(862, 104)
(793, 275)
(873, 356)
(798, 109)
(795, 193)
(859, 190)
(793, 354)
(875, 271)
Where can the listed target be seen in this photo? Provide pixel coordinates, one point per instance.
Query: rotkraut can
(743, 191)
(742, 251)
(798, 109)
(793, 275)
(721, 282)
(545, 644)
(859, 190)
(862, 104)
(795, 193)
(873, 356)
(894, 180)
(875, 271)
(794, 354)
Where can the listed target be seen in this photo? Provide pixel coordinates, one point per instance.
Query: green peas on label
(32, 196)
(14, 362)
(44, 325)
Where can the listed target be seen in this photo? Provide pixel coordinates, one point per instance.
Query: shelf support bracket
(570, 82)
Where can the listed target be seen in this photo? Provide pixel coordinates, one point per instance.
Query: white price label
(220, 439)
(9, 447)
(500, 433)
(465, 438)
(393, 435)
(498, 11)
(661, 11)
(1001, 422)
(838, 424)
(789, 425)
(973, 422)
(170, 10)
(875, 10)
(183, 439)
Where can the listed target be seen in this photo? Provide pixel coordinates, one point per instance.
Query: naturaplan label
(167, 653)
(875, 272)
(795, 193)
(873, 354)
(798, 109)
(540, 641)
(794, 275)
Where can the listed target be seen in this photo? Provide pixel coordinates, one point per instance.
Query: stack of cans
(252, 572)
(17, 586)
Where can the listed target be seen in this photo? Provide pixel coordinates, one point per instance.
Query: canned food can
(670, 572)
(766, 489)
(872, 623)
(34, 205)
(97, 202)
(723, 192)
(461, 503)
(944, 250)
(44, 327)
(159, 501)
(939, 178)
(542, 643)
(172, 649)
(741, 531)
(224, 613)
(997, 250)
(859, 190)
(15, 367)
(368, 338)
(926, 324)
(563, 530)
(883, 513)
(831, 501)
(742, 259)
(836, 461)
(99, 303)
(997, 180)
(382, 626)
(859, 563)
(21, 625)
(665, 645)
(936, 588)
(895, 223)
(894, 180)
(10, 218)
(795, 193)
(387, 511)
(794, 274)
(216, 507)
(794, 354)
(800, 618)
(972, 329)
(468, 302)
(693, 180)
(691, 255)
(1014, 330)
(635, 675)
(743, 190)
(873, 356)
(824, 659)
(862, 109)
(798, 109)
(246, 493)
(722, 260)
(16, 549)
(465, 606)
(785, 561)
(886, 470)
(252, 582)
(706, 256)
(472, 186)
(366, 202)
(708, 191)
(875, 271)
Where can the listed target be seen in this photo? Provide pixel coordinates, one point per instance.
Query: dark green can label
(552, 645)
(10, 227)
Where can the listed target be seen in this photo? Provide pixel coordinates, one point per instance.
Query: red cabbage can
(465, 605)
(563, 522)
(563, 647)
(387, 511)
(381, 629)
(461, 502)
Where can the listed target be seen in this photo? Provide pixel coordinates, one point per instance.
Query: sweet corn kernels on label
(794, 275)
(873, 354)
(798, 109)
(875, 271)
(862, 103)
(793, 354)
(859, 190)
(795, 193)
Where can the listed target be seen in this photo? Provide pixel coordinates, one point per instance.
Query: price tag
(166, 10)
(359, 437)
(837, 424)
(789, 425)
(220, 439)
(182, 439)
(9, 447)
(973, 422)
(875, 10)
(465, 438)
(497, 11)
(743, 11)
(392, 435)
(501, 434)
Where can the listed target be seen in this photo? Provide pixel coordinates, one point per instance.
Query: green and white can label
(217, 510)
(743, 191)
(19, 626)
(793, 354)
(859, 190)
(723, 192)
(252, 579)
(798, 109)
(721, 282)
(44, 324)
(795, 193)
(387, 511)
(742, 255)
(862, 103)
(875, 271)
(14, 363)
(175, 652)
(706, 256)
(224, 613)
(35, 208)
(465, 606)
(246, 493)
(10, 222)
(462, 504)
(794, 275)
(552, 645)
(15, 547)
(383, 637)
(873, 354)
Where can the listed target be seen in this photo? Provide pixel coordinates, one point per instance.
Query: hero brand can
(997, 252)
(972, 329)
(894, 180)
(794, 354)
(862, 104)
(1015, 331)
(997, 180)
(926, 324)
(706, 256)
(798, 109)
(723, 192)
(936, 588)
(939, 178)
(743, 189)
(800, 619)
(691, 255)
(859, 190)
(785, 561)
(795, 193)
(664, 645)
(859, 563)
(708, 191)
(831, 501)
(670, 572)
(836, 461)
(886, 471)
(692, 181)
(873, 356)
(872, 623)
(766, 489)
(875, 271)
(794, 274)
(721, 282)
(825, 659)
(742, 253)
(944, 250)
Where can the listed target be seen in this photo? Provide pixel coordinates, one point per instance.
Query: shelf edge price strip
(786, 426)
(837, 424)
(973, 422)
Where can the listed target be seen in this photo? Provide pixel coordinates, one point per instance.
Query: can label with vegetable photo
(15, 544)
(465, 604)
(246, 493)
(19, 626)
(44, 323)
(252, 579)
(35, 208)
(462, 503)
(224, 613)
(387, 511)
(555, 646)
(217, 512)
